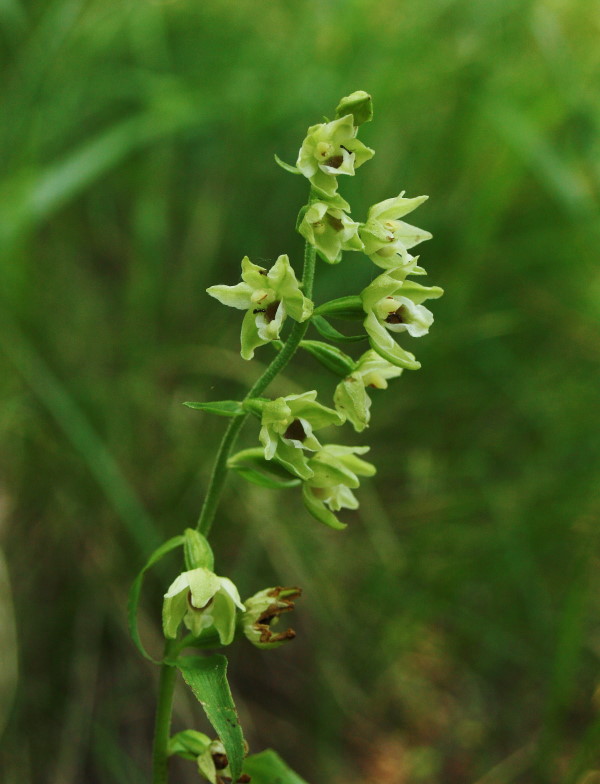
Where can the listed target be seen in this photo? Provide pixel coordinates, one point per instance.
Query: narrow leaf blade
(226, 408)
(268, 768)
(263, 480)
(325, 329)
(207, 678)
(136, 590)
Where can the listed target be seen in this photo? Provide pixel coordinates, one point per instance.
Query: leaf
(262, 480)
(330, 356)
(136, 589)
(286, 166)
(268, 768)
(252, 465)
(207, 678)
(226, 408)
(343, 308)
(325, 329)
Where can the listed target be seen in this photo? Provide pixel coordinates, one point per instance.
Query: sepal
(197, 551)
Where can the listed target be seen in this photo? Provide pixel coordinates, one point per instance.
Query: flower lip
(295, 431)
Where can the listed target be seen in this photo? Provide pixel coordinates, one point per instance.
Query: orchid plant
(289, 453)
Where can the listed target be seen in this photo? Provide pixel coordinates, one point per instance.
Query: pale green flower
(268, 297)
(210, 755)
(350, 396)
(287, 429)
(386, 238)
(201, 600)
(335, 474)
(262, 614)
(393, 304)
(359, 104)
(326, 226)
(330, 149)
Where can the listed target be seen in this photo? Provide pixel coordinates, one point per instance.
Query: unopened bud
(359, 104)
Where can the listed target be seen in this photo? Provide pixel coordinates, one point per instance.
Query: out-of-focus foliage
(453, 627)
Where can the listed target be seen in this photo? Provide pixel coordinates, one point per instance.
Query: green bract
(393, 303)
(268, 297)
(335, 474)
(326, 226)
(330, 149)
(351, 398)
(201, 599)
(262, 613)
(385, 237)
(287, 429)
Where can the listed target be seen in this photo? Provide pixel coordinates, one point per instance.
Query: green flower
(262, 613)
(335, 474)
(386, 237)
(393, 304)
(268, 297)
(326, 226)
(201, 600)
(330, 149)
(210, 755)
(287, 430)
(350, 396)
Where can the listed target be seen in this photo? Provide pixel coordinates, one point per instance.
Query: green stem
(207, 515)
(219, 473)
(162, 726)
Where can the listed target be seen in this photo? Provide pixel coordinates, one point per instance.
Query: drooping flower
(335, 474)
(351, 398)
(386, 238)
(287, 429)
(210, 755)
(201, 600)
(330, 149)
(262, 614)
(393, 304)
(268, 297)
(326, 226)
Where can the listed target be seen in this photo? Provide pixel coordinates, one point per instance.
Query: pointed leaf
(136, 589)
(325, 329)
(227, 408)
(268, 768)
(207, 678)
(263, 480)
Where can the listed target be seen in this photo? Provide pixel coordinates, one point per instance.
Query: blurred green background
(451, 633)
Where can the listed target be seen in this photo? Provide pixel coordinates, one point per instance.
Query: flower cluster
(293, 452)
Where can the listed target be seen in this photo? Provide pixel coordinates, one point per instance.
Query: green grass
(453, 627)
